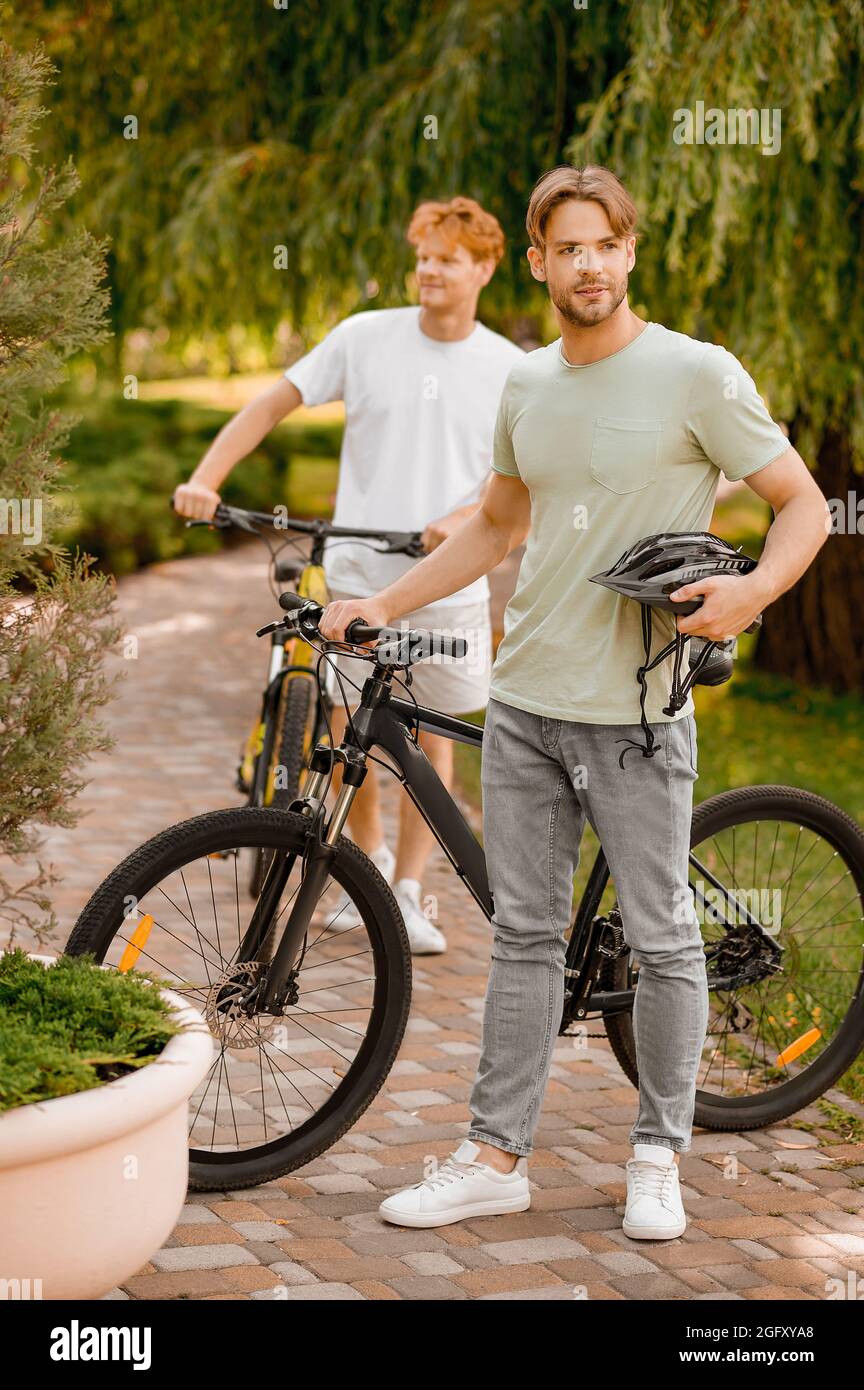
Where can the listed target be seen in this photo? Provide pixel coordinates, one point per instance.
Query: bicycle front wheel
(282, 1089)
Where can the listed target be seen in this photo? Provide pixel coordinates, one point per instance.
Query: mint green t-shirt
(612, 451)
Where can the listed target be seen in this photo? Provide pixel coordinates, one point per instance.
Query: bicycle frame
(384, 721)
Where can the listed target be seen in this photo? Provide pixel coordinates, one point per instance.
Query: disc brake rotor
(226, 1013)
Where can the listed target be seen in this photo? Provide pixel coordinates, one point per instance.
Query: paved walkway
(781, 1224)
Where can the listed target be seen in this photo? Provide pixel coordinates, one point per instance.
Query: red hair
(461, 222)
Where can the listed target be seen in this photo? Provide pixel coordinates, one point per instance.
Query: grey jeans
(541, 778)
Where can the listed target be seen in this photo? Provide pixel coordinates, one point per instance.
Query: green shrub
(72, 1026)
(125, 459)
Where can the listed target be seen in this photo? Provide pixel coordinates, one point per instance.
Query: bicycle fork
(279, 987)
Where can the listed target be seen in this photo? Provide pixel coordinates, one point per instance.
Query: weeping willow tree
(255, 163)
(761, 249)
(208, 136)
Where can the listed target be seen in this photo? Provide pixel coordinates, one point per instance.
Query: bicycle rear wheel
(779, 1038)
(281, 1089)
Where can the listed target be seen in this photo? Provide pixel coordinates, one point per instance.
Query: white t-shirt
(420, 417)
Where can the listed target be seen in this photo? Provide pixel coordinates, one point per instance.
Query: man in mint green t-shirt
(618, 430)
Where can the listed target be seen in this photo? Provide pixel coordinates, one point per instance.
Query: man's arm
(200, 496)
(500, 523)
(801, 526)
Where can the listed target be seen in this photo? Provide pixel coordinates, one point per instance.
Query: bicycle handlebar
(395, 542)
(414, 644)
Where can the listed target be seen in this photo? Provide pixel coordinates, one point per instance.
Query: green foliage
(306, 128)
(759, 252)
(72, 1026)
(55, 616)
(322, 149)
(126, 457)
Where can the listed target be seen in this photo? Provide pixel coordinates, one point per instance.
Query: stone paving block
(515, 1226)
(219, 1234)
(333, 1183)
(842, 1221)
(428, 1286)
(202, 1257)
(754, 1250)
(259, 1230)
(381, 1268)
(846, 1244)
(266, 1252)
(534, 1251)
(290, 1273)
(374, 1290)
(198, 1215)
(776, 1293)
(324, 1293)
(402, 1241)
(232, 1211)
(651, 1286)
(247, 1278)
(735, 1276)
(624, 1262)
(180, 1284)
(520, 1278)
(355, 1163)
(554, 1294)
(432, 1262)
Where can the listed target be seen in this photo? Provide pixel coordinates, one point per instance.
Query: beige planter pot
(91, 1185)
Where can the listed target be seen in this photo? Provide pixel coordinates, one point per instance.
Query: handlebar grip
(417, 644)
(291, 601)
(356, 631)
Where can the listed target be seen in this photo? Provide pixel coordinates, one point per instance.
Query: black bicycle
(309, 1019)
(295, 707)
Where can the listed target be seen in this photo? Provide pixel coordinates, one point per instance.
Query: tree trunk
(814, 633)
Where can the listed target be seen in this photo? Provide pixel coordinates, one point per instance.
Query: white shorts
(453, 685)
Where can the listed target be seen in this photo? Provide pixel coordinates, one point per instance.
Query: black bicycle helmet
(649, 572)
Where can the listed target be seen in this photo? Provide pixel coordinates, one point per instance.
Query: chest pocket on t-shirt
(624, 453)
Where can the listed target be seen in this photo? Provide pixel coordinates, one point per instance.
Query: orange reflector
(800, 1045)
(136, 944)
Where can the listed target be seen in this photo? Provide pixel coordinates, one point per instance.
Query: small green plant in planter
(97, 1068)
(72, 1026)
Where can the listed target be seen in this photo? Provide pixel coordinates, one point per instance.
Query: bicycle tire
(178, 845)
(294, 706)
(297, 703)
(744, 805)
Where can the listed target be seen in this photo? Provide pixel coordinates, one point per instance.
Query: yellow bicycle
(295, 706)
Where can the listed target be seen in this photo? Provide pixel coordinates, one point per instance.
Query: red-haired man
(421, 386)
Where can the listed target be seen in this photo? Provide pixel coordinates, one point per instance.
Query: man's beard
(587, 313)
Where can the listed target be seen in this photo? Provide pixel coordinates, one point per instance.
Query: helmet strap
(680, 688)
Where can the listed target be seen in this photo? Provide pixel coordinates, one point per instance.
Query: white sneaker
(654, 1210)
(339, 910)
(460, 1188)
(424, 936)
